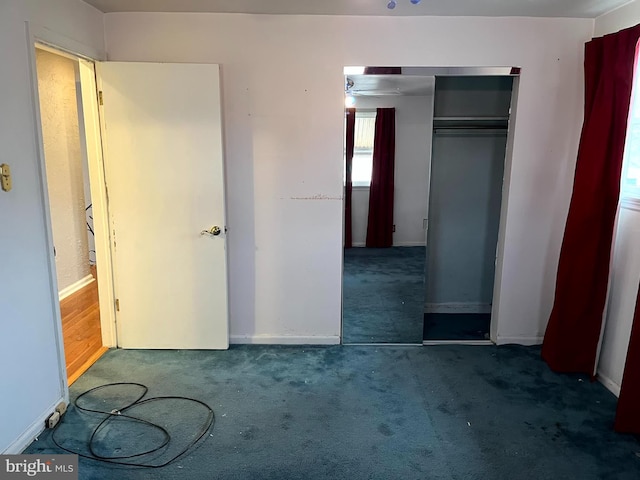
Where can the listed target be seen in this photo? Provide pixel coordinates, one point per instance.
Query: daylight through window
(363, 148)
(630, 182)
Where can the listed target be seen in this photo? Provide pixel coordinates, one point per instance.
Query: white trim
(457, 342)
(386, 344)
(46, 209)
(91, 131)
(42, 34)
(74, 287)
(457, 307)
(35, 429)
(609, 384)
(401, 244)
(496, 300)
(284, 340)
(630, 203)
(527, 341)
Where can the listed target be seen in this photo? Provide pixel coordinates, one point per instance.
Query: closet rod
(470, 131)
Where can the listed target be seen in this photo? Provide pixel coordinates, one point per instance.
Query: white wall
(625, 272)
(467, 171)
(625, 278)
(29, 353)
(464, 214)
(624, 17)
(63, 159)
(414, 116)
(283, 109)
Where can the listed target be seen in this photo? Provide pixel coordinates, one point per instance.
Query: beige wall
(63, 158)
(283, 103)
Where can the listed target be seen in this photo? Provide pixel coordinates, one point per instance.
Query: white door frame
(86, 56)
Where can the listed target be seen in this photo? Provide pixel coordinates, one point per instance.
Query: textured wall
(63, 158)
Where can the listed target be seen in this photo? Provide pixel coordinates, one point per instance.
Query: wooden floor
(81, 330)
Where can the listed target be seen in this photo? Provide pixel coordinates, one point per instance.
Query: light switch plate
(5, 177)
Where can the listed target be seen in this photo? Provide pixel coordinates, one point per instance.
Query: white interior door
(165, 181)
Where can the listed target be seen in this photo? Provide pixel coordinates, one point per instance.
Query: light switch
(5, 177)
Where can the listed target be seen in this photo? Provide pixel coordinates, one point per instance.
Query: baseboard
(527, 341)
(284, 340)
(35, 429)
(402, 244)
(454, 307)
(74, 287)
(609, 384)
(86, 365)
(456, 342)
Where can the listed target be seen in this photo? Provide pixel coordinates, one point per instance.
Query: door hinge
(100, 99)
(117, 304)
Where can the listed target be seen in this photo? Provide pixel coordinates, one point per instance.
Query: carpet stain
(385, 430)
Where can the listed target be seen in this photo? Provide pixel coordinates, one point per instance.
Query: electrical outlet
(61, 408)
(52, 420)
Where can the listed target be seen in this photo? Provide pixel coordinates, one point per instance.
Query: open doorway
(471, 122)
(70, 208)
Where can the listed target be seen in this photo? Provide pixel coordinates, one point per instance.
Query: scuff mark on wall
(319, 196)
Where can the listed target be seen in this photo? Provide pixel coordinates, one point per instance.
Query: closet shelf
(471, 123)
(469, 119)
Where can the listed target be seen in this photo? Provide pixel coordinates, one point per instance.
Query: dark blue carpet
(383, 295)
(457, 326)
(347, 412)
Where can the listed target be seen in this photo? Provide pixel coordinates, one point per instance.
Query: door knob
(214, 231)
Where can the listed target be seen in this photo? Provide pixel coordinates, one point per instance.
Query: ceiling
(384, 85)
(528, 8)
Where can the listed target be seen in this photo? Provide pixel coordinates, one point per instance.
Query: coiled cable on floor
(125, 460)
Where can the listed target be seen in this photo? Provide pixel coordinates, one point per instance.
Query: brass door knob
(214, 231)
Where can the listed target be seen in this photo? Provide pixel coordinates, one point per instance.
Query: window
(363, 148)
(630, 182)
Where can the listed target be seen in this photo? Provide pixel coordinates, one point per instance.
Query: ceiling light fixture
(393, 3)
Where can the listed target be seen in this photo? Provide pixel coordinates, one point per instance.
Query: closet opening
(423, 233)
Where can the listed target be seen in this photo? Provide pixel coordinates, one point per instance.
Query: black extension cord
(122, 460)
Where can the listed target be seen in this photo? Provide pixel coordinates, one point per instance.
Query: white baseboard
(401, 244)
(527, 341)
(35, 429)
(454, 307)
(609, 384)
(74, 287)
(285, 339)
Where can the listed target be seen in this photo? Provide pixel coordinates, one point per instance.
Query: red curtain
(383, 71)
(380, 223)
(628, 413)
(348, 189)
(571, 339)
